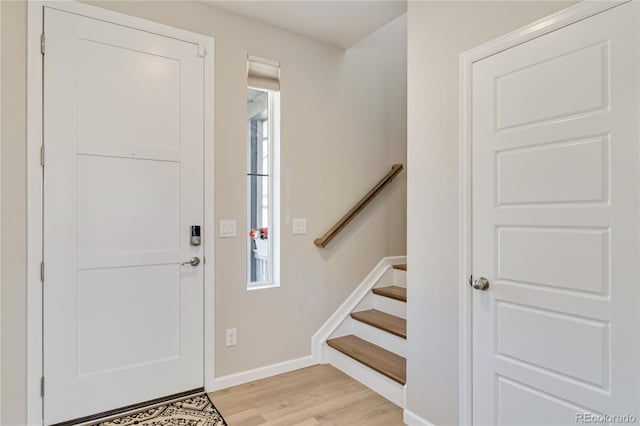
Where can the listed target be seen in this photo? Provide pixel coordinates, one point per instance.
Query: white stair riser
(372, 334)
(388, 278)
(365, 304)
(377, 382)
(378, 337)
(390, 306)
(399, 278)
(343, 329)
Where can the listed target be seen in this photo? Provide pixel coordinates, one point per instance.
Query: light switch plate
(300, 226)
(228, 229)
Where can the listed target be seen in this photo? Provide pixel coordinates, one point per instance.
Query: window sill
(262, 285)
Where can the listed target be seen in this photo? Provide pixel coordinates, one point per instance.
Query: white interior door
(123, 183)
(555, 225)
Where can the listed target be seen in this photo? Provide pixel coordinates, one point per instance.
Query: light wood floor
(318, 395)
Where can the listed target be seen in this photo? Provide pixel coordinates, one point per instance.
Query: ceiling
(339, 22)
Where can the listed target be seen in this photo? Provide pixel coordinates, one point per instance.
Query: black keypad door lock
(196, 239)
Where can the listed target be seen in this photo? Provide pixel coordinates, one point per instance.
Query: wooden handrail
(339, 226)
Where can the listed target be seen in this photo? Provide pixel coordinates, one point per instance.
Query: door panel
(123, 183)
(573, 259)
(129, 205)
(520, 405)
(555, 225)
(568, 85)
(588, 182)
(522, 330)
(106, 89)
(103, 335)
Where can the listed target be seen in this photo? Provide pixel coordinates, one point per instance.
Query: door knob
(481, 284)
(194, 261)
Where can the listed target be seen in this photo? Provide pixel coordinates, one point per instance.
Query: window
(263, 107)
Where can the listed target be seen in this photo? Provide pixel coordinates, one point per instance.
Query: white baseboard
(412, 419)
(260, 373)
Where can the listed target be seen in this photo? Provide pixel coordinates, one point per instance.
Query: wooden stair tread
(381, 360)
(401, 266)
(382, 320)
(393, 292)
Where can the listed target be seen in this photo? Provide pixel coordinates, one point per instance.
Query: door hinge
(202, 50)
(42, 155)
(42, 271)
(42, 43)
(42, 387)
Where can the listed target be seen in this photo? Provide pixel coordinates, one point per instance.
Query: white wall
(14, 202)
(343, 125)
(438, 32)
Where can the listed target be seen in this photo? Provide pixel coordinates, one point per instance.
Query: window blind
(263, 73)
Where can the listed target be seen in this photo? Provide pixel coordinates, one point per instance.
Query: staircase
(369, 343)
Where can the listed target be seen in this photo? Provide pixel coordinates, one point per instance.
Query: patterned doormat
(193, 411)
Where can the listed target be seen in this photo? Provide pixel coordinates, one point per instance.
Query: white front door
(556, 217)
(123, 184)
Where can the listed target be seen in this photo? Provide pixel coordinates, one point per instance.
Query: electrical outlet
(232, 337)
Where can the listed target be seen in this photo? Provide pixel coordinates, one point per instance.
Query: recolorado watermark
(590, 418)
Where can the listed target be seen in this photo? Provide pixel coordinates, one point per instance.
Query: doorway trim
(206, 46)
(536, 29)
